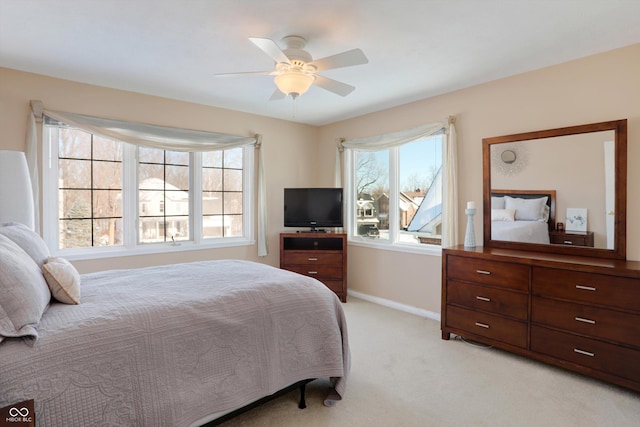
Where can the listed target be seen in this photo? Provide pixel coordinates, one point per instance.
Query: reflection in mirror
(584, 167)
(578, 168)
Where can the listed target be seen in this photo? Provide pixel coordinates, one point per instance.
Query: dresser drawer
(495, 300)
(583, 319)
(514, 276)
(599, 289)
(320, 272)
(488, 325)
(609, 358)
(312, 257)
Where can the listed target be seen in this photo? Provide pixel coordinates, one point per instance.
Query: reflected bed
(522, 215)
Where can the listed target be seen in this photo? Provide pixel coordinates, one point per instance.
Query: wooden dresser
(578, 313)
(319, 255)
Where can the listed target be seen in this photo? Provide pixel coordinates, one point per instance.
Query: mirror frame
(619, 250)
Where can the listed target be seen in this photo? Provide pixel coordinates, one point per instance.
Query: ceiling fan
(295, 70)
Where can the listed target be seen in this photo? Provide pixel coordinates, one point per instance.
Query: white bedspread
(169, 345)
(520, 231)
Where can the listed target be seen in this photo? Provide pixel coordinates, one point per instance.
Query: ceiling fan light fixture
(294, 82)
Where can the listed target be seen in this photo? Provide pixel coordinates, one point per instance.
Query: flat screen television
(313, 207)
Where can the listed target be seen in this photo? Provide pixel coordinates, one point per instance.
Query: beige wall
(599, 88)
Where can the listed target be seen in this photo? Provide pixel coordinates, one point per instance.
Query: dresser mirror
(558, 191)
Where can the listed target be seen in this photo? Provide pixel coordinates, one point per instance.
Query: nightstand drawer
(599, 289)
(514, 276)
(488, 325)
(583, 319)
(574, 239)
(591, 353)
(312, 257)
(508, 303)
(320, 272)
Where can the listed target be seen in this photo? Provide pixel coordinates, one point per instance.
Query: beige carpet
(403, 374)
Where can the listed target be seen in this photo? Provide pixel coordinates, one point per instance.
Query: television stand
(320, 255)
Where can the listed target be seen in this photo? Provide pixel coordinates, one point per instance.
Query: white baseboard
(395, 305)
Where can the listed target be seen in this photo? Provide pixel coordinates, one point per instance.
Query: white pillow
(503, 214)
(24, 295)
(527, 209)
(28, 240)
(63, 280)
(497, 202)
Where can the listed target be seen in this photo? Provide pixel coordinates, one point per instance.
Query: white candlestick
(471, 205)
(470, 236)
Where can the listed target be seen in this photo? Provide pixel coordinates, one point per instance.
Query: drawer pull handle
(585, 288)
(483, 298)
(582, 319)
(483, 272)
(482, 325)
(312, 259)
(586, 353)
(313, 272)
(568, 242)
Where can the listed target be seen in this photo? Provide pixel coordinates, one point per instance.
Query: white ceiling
(416, 48)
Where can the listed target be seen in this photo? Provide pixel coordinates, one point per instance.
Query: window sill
(149, 249)
(397, 247)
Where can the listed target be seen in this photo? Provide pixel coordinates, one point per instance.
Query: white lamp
(294, 82)
(16, 195)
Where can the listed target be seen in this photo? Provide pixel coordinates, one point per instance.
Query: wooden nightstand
(575, 238)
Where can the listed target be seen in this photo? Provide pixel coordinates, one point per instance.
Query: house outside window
(396, 193)
(105, 195)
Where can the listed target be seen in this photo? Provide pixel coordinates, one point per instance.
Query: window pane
(420, 198)
(107, 232)
(106, 149)
(177, 158)
(150, 177)
(150, 155)
(372, 194)
(107, 175)
(177, 177)
(232, 180)
(211, 179)
(74, 173)
(211, 203)
(222, 197)
(233, 158)
(75, 233)
(74, 143)
(232, 203)
(88, 162)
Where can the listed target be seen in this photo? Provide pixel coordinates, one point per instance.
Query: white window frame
(392, 243)
(130, 245)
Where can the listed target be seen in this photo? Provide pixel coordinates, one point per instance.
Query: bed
(522, 215)
(173, 345)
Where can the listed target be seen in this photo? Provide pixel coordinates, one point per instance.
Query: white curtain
(31, 144)
(175, 139)
(450, 190)
(450, 184)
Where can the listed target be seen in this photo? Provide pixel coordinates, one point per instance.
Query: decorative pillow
(24, 294)
(503, 214)
(63, 280)
(28, 240)
(526, 209)
(497, 202)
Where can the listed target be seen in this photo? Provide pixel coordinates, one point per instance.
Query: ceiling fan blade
(246, 73)
(270, 47)
(277, 95)
(344, 59)
(334, 86)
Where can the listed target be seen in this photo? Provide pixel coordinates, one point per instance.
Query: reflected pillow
(497, 202)
(28, 240)
(527, 209)
(503, 214)
(24, 294)
(63, 280)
